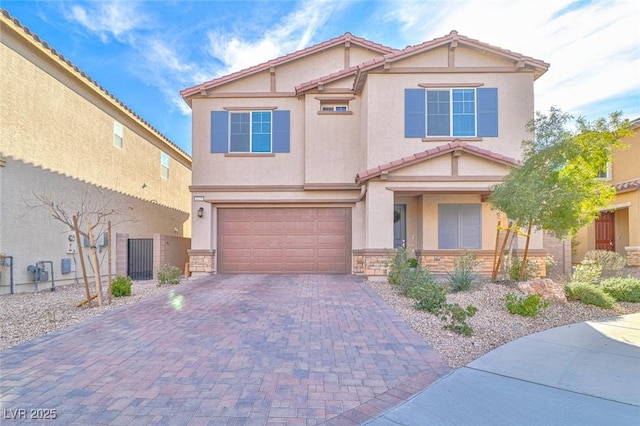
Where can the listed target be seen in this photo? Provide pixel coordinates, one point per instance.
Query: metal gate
(140, 258)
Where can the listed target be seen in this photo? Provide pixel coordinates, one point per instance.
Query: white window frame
(164, 165)
(606, 175)
(451, 113)
(118, 134)
(251, 151)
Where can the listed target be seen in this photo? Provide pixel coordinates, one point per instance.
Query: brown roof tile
(629, 185)
(286, 58)
(418, 157)
(92, 82)
(396, 55)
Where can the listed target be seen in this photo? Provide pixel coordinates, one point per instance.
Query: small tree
(556, 187)
(93, 210)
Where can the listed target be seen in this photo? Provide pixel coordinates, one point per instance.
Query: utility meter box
(38, 273)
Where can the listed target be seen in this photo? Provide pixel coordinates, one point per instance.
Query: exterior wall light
(200, 211)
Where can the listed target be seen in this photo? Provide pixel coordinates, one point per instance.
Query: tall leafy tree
(556, 187)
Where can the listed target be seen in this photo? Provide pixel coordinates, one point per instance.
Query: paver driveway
(242, 349)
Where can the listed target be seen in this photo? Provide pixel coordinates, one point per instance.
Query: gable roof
(453, 39)
(419, 157)
(33, 39)
(340, 40)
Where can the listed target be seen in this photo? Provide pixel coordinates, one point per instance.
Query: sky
(145, 52)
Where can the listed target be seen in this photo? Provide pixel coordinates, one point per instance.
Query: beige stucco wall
(332, 152)
(53, 117)
(279, 169)
(30, 234)
(385, 136)
(625, 161)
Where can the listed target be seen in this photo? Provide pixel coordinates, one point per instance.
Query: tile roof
(456, 145)
(346, 37)
(452, 37)
(630, 185)
(92, 83)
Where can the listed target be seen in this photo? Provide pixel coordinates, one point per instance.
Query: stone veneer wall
(633, 256)
(376, 262)
(202, 262)
(371, 262)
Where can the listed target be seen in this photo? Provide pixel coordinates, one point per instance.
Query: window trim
(233, 112)
(451, 113)
(164, 156)
(118, 132)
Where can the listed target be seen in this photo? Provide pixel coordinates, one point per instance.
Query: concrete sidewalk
(581, 374)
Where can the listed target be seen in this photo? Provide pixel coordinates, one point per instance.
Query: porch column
(379, 217)
(203, 241)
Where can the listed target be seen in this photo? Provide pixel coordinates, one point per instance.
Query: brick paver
(242, 349)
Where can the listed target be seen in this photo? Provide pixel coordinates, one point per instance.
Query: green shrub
(398, 266)
(529, 306)
(456, 317)
(587, 271)
(622, 289)
(463, 274)
(589, 294)
(430, 296)
(531, 270)
(412, 262)
(121, 286)
(608, 260)
(168, 274)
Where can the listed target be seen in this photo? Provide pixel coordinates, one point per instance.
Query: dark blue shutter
(281, 131)
(219, 131)
(487, 112)
(414, 113)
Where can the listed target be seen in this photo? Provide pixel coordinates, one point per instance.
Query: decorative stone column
(633, 255)
(202, 262)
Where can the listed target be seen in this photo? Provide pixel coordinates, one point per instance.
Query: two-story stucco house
(618, 226)
(322, 160)
(65, 139)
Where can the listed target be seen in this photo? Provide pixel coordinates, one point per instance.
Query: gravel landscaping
(26, 316)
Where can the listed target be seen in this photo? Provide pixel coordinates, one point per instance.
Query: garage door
(284, 240)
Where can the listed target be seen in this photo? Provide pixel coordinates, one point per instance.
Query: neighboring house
(324, 159)
(63, 137)
(618, 227)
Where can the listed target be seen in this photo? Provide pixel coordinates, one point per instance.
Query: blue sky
(145, 52)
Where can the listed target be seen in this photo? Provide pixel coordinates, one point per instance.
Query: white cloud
(593, 47)
(293, 32)
(116, 19)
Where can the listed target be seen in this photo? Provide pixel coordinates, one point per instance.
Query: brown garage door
(284, 240)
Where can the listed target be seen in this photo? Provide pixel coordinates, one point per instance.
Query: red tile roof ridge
(634, 183)
(455, 145)
(286, 58)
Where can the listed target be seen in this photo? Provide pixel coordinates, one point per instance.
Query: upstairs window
(334, 107)
(455, 112)
(164, 165)
(118, 134)
(250, 131)
(606, 173)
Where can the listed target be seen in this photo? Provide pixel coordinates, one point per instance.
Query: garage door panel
(300, 240)
(334, 240)
(292, 240)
